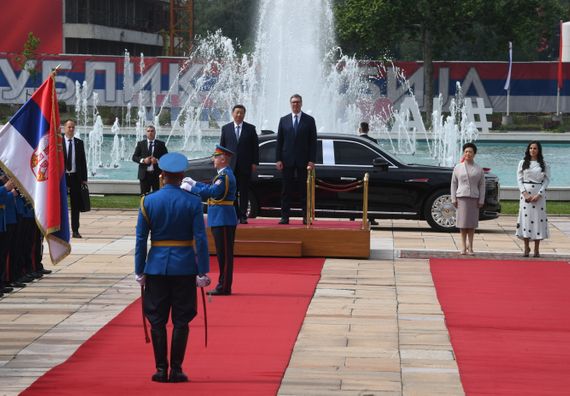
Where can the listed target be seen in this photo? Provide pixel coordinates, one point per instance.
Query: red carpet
(509, 323)
(251, 336)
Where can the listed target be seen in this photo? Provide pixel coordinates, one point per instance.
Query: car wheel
(252, 206)
(440, 212)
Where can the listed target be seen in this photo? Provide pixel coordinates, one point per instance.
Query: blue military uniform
(5, 197)
(220, 195)
(179, 251)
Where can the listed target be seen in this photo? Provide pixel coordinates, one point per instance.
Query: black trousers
(293, 177)
(242, 182)
(17, 247)
(150, 181)
(165, 294)
(5, 244)
(74, 188)
(224, 237)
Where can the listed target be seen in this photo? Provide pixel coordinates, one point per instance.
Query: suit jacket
(296, 150)
(246, 149)
(80, 160)
(365, 135)
(468, 184)
(141, 151)
(171, 214)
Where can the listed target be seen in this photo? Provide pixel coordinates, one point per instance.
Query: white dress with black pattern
(532, 222)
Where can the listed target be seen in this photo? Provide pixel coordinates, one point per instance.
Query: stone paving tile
(385, 332)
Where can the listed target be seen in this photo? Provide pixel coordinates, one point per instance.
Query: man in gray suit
(295, 154)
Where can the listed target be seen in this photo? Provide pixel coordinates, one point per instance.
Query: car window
(353, 153)
(267, 151)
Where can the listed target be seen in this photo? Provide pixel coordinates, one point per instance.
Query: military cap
(173, 162)
(221, 150)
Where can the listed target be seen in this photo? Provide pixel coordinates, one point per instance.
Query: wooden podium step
(268, 248)
(329, 240)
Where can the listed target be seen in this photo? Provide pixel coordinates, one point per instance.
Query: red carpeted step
(251, 336)
(509, 323)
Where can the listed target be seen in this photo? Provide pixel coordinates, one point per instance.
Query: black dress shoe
(243, 220)
(6, 289)
(284, 220)
(36, 275)
(45, 271)
(25, 279)
(77, 235)
(17, 284)
(218, 292)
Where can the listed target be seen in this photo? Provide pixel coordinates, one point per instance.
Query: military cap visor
(173, 162)
(221, 150)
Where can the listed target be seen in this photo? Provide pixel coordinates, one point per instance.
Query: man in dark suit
(241, 138)
(75, 172)
(363, 132)
(295, 154)
(147, 153)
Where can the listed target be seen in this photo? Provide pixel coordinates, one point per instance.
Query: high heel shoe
(536, 254)
(463, 252)
(526, 253)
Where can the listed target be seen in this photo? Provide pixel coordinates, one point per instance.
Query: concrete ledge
(426, 254)
(131, 187)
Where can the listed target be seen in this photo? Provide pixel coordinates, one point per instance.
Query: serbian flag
(508, 81)
(564, 51)
(31, 154)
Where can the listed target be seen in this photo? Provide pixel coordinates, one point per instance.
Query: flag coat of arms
(31, 153)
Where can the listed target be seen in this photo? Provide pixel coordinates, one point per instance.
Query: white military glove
(190, 181)
(140, 279)
(186, 187)
(202, 280)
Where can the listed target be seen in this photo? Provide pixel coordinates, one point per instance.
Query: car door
(389, 191)
(266, 183)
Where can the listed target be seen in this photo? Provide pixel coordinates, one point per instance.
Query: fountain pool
(501, 157)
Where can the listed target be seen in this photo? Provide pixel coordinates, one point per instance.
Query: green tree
(27, 59)
(445, 29)
(236, 18)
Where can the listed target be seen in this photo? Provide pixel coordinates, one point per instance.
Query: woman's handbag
(85, 201)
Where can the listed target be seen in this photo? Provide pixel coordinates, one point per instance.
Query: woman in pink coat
(468, 195)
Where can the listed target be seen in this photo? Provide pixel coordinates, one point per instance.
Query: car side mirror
(380, 164)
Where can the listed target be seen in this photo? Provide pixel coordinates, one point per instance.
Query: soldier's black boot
(177, 351)
(159, 343)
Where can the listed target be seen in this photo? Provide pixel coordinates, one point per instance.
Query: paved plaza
(374, 327)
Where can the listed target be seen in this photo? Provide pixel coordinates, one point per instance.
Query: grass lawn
(133, 201)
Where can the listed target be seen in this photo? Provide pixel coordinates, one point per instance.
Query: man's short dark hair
(238, 106)
(69, 119)
(296, 96)
(364, 127)
(152, 127)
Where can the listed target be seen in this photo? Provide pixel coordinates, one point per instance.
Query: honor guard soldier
(222, 218)
(177, 263)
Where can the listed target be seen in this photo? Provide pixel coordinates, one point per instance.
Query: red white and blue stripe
(31, 153)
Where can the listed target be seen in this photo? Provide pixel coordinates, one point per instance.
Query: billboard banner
(533, 85)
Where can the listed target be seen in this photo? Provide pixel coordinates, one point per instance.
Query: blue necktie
(296, 123)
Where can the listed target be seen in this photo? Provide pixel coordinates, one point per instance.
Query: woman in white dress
(468, 196)
(533, 177)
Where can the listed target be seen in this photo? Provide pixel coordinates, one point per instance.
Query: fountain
(333, 87)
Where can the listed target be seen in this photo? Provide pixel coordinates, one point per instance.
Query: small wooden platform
(325, 238)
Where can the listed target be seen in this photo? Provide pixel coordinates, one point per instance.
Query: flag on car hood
(31, 154)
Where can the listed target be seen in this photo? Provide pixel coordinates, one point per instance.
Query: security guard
(222, 218)
(176, 264)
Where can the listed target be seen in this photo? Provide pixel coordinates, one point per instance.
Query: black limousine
(396, 190)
